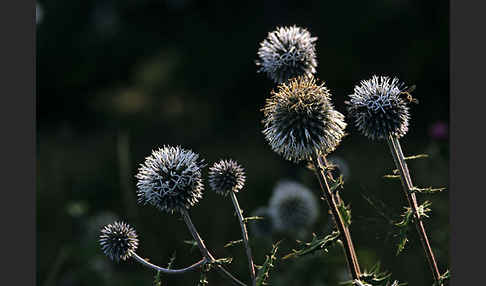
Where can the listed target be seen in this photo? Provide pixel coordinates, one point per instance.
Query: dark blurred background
(117, 79)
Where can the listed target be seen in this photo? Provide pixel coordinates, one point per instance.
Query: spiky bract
(299, 119)
(287, 52)
(378, 109)
(261, 227)
(293, 207)
(118, 241)
(226, 176)
(170, 179)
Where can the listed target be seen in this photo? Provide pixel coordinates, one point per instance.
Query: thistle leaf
(345, 213)
(247, 219)
(264, 270)
(316, 244)
(233, 242)
(418, 156)
(428, 190)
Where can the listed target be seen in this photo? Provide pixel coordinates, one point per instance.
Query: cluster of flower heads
(170, 179)
(226, 176)
(378, 108)
(299, 119)
(292, 207)
(287, 52)
(118, 241)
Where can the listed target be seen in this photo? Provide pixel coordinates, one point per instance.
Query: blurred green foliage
(116, 79)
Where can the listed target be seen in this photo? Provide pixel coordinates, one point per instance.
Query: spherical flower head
(379, 109)
(299, 120)
(261, 227)
(226, 176)
(170, 179)
(293, 207)
(118, 241)
(287, 52)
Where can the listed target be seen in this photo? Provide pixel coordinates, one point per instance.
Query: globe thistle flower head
(293, 207)
(170, 179)
(299, 120)
(118, 241)
(226, 176)
(261, 227)
(287, 52)
(378, 108)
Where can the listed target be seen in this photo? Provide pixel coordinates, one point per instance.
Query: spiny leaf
(419, 156)
(221, 261)
(157, 281)
(442, 278)
(345, 213)
(233, 242)
(171, 260)
(264, 270)
(315, 245)
(391, 176)
(428, 190)
(338, 183)
(375, 277)
(247, 219)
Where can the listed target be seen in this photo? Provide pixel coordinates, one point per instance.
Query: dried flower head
(299, 119)
(261, 227)
(287, 52)
(293, 207)
(170, 179)
(226, 176)
(379, 109)
(118, 241)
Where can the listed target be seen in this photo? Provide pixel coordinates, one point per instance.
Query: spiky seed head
(287, 52)
(379, 109)
(299, 119)
(293, 207)
(170, 179)
(118, 241)
(226, 176)
(261, 227)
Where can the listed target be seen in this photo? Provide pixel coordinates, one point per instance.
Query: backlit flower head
(226, 176)
(293, 207)
(287, 52)
(170, 179)
(118, 241)
(379, 108)
(299, 119)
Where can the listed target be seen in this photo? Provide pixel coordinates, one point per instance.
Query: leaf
(157, 281)
(264, 270)
(247, 219)
(428, 190)
(418, 156)
(442, 278)
(233, 242)
(375, 277)
(315, 245)
(345, 213)
(391, 176)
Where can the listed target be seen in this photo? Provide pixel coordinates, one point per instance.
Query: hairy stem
(169, 271)
(244, 234)
(323, 162)
(346, 239)
(204, 250)
(407, 185)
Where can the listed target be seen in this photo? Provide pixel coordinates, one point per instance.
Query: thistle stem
(169, 271)
(346, 239)
(323, 162)
(205, 252)
(407, 185)
(244, 234)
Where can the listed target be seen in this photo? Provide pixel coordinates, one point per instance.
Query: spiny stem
(204, 250)
(169, 271)
(407, 185)
(244, 234)
(346, 239)
(323, 162)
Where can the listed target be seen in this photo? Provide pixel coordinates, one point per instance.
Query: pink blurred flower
(439, 130)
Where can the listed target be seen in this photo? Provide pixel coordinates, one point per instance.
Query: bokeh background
(117, 79)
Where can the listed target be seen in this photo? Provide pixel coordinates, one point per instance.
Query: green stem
(407, 185)
(244, 234)
(346, 239)
(205, 252)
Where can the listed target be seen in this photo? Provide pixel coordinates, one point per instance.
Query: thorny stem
(169, 271)
(323, 162)
(407, 185)
(204, 250)
(346, 239)
(244, 234)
